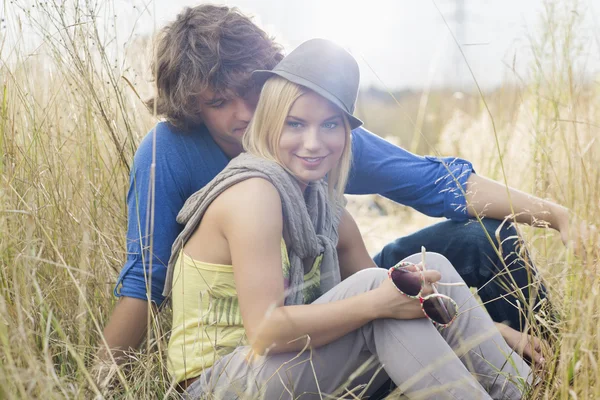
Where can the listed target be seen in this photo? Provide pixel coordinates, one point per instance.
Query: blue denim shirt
(186, 162)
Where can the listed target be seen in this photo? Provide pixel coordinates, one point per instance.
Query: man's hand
(576, 234)
(125, 331)
(525, 345)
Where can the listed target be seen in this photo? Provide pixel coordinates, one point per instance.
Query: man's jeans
(468, 248)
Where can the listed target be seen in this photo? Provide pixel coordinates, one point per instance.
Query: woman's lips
(311, 162)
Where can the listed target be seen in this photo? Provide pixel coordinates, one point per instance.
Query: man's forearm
(489, 198)
(126, 327)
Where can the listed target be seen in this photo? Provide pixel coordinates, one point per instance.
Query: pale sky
(405, 42)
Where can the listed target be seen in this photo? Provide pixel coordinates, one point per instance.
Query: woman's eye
(330, 125)
(293, 124)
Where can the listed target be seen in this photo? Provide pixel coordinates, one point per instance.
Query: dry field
(71, 118)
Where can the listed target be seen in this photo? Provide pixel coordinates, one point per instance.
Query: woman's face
(313, 137)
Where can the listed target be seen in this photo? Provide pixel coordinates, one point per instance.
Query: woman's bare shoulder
(254, 195)
(246, 214)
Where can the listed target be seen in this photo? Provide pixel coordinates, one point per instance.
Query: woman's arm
(252, 224)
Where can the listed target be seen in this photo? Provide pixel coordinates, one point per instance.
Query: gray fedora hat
(323, 67)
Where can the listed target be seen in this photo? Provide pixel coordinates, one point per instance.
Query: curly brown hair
(207, 46)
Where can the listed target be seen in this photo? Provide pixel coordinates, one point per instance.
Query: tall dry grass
(550, 147)
(70, 120)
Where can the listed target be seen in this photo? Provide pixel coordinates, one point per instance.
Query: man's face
(227, 117)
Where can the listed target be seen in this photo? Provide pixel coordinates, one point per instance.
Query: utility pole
(460, 25)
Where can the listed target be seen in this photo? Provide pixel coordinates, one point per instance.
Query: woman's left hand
(525, 345)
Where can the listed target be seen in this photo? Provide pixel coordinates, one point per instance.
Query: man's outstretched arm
(486, 197)
(427, 184)
(434, 186)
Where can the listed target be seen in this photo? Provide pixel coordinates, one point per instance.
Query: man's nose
(244, 109)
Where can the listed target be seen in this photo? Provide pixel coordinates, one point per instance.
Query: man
(202, 68)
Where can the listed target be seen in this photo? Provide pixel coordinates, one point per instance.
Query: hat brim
(261, 76)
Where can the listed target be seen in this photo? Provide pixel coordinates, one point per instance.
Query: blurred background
(428, 57)
(401, 44)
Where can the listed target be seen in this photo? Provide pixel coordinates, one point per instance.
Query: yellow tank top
(206, 316)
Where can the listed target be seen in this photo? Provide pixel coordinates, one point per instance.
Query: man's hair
(206, 47)
(264, 131)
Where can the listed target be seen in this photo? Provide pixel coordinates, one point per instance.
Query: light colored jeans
(467, 360)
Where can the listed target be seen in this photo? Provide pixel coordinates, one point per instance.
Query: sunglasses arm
(450, 283)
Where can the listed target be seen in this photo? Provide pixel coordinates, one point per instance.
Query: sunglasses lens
(440, 309)
(408, 282)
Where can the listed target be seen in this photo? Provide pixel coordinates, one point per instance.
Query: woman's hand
(394, 304)
(525, 345)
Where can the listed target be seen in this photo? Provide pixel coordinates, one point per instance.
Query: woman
(273, 291)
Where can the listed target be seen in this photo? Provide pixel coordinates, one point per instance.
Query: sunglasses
(439, 308)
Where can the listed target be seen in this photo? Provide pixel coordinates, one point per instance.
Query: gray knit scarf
(310, 226)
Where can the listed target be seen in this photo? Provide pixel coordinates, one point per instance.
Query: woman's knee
(372, 277)
(441, 264)
(360, 282)
(438, 262)
(366, 279)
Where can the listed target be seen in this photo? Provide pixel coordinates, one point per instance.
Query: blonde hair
(264, 132)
